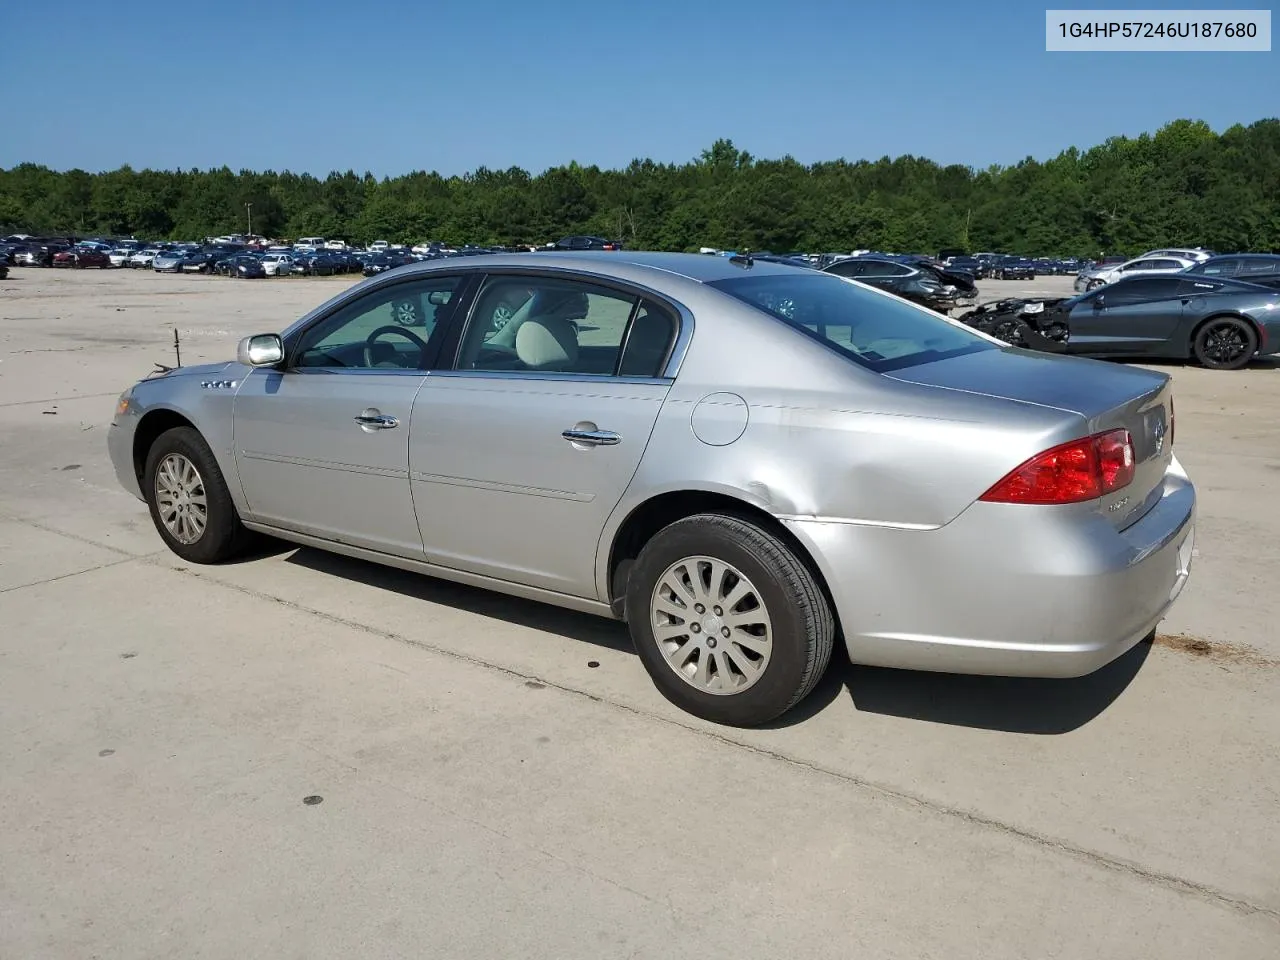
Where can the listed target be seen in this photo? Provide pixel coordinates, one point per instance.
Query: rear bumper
(1007, 590)
(1269, 341)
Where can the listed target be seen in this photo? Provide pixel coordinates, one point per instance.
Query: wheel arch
(658, 511)
(152, 424)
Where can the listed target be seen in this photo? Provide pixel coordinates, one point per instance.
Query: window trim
(669, 369)
(294, 335)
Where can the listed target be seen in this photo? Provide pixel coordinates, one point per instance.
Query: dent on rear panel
(832, 464)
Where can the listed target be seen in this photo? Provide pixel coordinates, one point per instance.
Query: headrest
(547, 343)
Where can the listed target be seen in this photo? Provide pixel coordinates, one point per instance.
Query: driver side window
(391, 328)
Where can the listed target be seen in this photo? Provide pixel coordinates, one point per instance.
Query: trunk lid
(1107, 396)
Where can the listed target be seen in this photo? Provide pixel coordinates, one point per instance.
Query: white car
(335, 244)
(143, 258)
(120, 258)
(277, 264)
(1196, 255)
(379, 246)
(1141, 266)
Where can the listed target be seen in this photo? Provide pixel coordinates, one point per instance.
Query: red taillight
(1071, 472)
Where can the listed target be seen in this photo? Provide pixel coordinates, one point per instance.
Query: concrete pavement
(487, 792)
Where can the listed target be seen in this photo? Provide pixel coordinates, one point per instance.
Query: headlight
(122, 405)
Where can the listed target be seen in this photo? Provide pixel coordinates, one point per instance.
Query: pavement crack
(68, 576)
(36, 525)
(902, 797)
(74, 396)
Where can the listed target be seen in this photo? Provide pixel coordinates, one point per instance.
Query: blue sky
(390, 87)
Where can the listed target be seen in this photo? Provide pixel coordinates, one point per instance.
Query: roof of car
(693, 266)
(1244, 256)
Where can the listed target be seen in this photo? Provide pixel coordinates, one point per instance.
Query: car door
(519, 454)
(322, 444)
(1128, 316)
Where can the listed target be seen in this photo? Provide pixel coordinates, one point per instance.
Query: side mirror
(260, 350)
(439, 297)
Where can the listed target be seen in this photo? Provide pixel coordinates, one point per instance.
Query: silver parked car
(1139, 267)
(744, 460)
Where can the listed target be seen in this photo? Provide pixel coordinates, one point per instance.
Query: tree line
(1183, 185)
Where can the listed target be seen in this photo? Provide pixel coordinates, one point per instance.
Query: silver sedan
(746, 461)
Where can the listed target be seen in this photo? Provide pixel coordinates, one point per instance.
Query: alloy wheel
(502, 315)
(405, 313)
(711, 625)
(180, 499)
(1223, 343)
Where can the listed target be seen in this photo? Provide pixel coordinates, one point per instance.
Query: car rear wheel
(730, 624)
(1225, 343)
(189, 501)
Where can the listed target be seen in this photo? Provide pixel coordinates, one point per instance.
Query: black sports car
(246, 266)
(917, 281)
(1015, 268)
(1222, 324)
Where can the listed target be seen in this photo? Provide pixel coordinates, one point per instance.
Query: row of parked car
(252, 257)
(1263, 268)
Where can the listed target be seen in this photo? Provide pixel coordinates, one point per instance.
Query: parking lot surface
(496, 778)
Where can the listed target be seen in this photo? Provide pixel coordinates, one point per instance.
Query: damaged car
(747, 462)
(1221, 324)
(918, 281)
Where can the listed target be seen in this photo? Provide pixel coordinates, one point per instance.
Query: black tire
(1225, 343)
(224, 535)
(803, 626)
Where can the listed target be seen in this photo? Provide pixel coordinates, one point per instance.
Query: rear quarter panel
(826, 439)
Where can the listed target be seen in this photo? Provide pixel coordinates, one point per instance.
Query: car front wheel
(189, 501)
(731, 625)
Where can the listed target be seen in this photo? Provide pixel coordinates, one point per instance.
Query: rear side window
(1260, 266)
(547, 325)
(876, 331)
(1225, 267)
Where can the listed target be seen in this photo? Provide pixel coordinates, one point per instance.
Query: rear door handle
(378, 422)
(592, 438)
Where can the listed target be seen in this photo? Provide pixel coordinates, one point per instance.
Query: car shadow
(1009, 704)
(1257, 363)
(485, 603)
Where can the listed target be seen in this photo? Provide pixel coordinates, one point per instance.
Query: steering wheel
(398, 331)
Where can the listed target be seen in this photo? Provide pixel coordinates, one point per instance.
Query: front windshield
(875, 330)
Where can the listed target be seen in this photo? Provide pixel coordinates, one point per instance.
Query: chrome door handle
(378, 422)
(592, 438)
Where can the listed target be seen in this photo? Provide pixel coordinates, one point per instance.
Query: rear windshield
(875, 330)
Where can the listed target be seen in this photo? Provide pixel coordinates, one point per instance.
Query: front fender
(200, 395)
